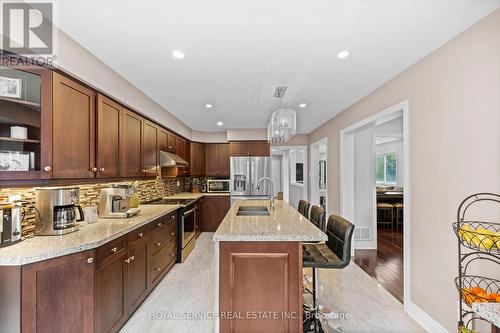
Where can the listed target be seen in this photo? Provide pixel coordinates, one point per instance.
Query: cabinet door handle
(127, 261)
(172, 217)
(159, 224)
(90, 260)
(47, 168)
(114, 249)
(172, 234)
(132, 258)
(158, 269)
(169, 147)
(172, 255)
(158, 244)
(101, 169)
(94, 169)
(140, 235)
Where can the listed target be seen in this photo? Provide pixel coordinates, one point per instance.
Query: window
(386, 167)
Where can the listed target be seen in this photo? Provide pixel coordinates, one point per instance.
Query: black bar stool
(385, 215)
(335, 253)
(303, 208)
(317, 217)
(399, 207)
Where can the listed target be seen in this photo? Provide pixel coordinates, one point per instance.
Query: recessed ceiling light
(208, 106)
(178, 54)
(302, 105)
(343, 54)
(220, 123)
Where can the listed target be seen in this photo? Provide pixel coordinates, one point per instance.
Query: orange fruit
(477, 290)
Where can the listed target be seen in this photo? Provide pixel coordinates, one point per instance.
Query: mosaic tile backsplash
(147, 190)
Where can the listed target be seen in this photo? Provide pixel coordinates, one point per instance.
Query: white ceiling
(237, 51)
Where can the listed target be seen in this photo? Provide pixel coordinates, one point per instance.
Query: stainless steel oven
(189, 225)
(218, 185)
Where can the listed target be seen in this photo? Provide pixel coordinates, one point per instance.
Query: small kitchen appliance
(11, 218)
(218, 185)
(56, 210)
(114, 202)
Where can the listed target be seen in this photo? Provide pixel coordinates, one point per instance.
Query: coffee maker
(11, 218)
(56, 210)
(114, 202)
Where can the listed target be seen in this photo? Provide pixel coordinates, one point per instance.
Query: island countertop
(87, 237)
(283, 224)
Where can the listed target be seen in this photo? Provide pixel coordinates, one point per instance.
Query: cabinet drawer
(162, 260)
(162, 221)
(163, 235)
(138, 236)
(113, 248)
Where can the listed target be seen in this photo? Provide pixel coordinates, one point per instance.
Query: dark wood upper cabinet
(249, 148)
(58, 294)
(32, 110)
(171, 142)
(261, 148)
(150, 149)
(73, 129)
(211, 162)
(109, 116)
(240, 148)
(131, 145)
(223, 159)
(180, 146)
(217, 160)
(197, 162)
(162, 139)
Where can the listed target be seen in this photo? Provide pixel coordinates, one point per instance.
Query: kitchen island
(259, 266)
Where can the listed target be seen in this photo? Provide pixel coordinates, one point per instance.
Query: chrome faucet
(271, 201)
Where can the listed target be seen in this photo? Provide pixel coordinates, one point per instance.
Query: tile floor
(189, 289)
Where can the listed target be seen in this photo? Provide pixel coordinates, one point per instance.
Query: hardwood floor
(386, 263)
(189, 289)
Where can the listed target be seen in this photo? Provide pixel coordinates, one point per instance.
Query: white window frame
(385, 182)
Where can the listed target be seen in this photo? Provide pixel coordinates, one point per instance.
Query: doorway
(293, 171)
(318, 163)
(374, 177)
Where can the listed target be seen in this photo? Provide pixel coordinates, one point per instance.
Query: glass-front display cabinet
(25, 123)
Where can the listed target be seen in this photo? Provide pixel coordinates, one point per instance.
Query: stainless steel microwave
(218, 185)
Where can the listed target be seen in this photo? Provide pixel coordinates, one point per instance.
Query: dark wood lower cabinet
(129, 268)
(138, 276)
(261, 277)
(92, 291)
(110, 294)
(58, 294)
(215, 209)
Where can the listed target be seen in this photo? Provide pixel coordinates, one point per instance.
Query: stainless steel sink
(252, 211)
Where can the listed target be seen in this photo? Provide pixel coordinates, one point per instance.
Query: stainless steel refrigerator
(245, 175)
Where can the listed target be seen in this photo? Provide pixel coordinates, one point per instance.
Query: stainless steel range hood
(171, 160)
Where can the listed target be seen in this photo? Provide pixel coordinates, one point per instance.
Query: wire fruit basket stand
(477, 241)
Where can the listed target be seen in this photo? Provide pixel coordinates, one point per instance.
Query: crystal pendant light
(283, 123)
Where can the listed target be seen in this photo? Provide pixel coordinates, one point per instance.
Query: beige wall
(454, 98)
(78, 61)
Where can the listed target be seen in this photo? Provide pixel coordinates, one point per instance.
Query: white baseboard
(423, 319)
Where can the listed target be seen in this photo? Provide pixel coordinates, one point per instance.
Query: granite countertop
(488, 311)
(189, 195)
(88, 237)
(284, 224)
